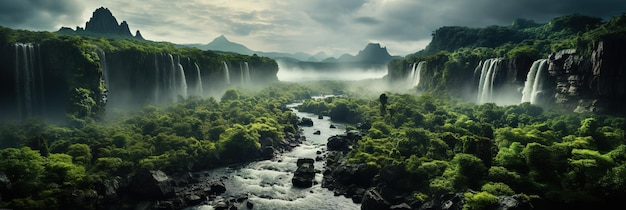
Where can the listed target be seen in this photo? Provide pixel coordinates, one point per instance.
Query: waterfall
(415, 75)
(489, 70)
(246, 72)
(533, 84)
(157, 81)
(199, 91)
(243, 80)
(172, 88)
(28, 80)
(105, 72)
(226, 73)
(182, 81)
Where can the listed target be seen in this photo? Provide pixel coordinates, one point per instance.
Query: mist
(346, 73)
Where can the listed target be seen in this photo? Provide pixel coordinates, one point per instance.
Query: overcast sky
(332, 26)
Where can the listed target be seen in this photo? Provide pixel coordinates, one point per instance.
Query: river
(267, 183)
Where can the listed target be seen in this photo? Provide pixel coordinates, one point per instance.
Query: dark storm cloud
(38, 14)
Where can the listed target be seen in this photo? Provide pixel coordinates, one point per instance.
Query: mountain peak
(373, 51)
(102, 22)
(222, 44)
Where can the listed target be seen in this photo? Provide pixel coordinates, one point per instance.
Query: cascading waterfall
(246, 72)
(172, 87)
(173, 79)
(182, 81)
(199, 91)
(28, 80)
(157, 81)
(489, 70)
(105, 71)
(534, 80)
(415, 75)
(226, 73)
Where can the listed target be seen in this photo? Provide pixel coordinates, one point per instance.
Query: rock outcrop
(102, 22)
(305, 174)
(595, 83)
(305, 121)
(5, 184)
(151, 185)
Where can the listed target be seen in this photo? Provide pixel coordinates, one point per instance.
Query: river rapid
(267, 183)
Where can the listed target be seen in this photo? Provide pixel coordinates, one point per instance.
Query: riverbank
(266, 184)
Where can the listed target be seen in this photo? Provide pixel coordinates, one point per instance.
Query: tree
(238, 144)
(383, 103)
(230, 94)
(81, 153)
(24, 168)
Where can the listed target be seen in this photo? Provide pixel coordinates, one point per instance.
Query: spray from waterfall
(534, 81)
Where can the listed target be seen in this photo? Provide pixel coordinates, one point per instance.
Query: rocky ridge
(102, 22)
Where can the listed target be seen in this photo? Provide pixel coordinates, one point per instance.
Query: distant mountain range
(372, 53)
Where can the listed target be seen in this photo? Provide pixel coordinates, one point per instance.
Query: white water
(105, 68)
(226, 73)
(182, 81)
(489, 70)
(28, 81)
(245, 73)
(415, 75)
(534, 79)
(199, 91)
(268, 185)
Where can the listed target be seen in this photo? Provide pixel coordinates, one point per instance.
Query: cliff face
(43, 75)
(588, 76)
(578, 82)
(40, 80)
(590, 83)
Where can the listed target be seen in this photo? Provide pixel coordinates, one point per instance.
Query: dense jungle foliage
(50, 166)
(445, 146)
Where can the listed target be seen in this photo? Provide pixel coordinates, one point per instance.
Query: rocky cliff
(52, 77)
(103, 23)
(584, 64)
(590, 83)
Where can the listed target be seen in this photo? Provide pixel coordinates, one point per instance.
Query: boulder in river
(152, 185)
(305, 121)
(304, 175)
(338, 143)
